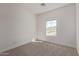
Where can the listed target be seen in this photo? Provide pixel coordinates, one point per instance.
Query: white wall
(66, 34)
(77, 23)
(17, 26)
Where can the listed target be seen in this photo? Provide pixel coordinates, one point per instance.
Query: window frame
(46, 26)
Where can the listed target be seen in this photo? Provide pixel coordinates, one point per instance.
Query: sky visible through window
(51, 23)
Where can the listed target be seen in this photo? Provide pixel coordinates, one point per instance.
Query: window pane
(51, 28)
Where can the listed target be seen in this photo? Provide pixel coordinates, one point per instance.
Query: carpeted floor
(43, 49)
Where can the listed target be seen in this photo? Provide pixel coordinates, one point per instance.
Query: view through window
(51, 28)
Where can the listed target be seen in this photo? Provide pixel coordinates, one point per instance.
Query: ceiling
(37, 8)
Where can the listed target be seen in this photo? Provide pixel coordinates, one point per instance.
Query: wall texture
(77, 23)
(66, 24)
(17, 26)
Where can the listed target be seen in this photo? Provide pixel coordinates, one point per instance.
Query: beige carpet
(43, 49)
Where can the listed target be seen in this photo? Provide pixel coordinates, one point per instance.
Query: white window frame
(56, 26)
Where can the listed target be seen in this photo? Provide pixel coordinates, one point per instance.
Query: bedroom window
(51, 28)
